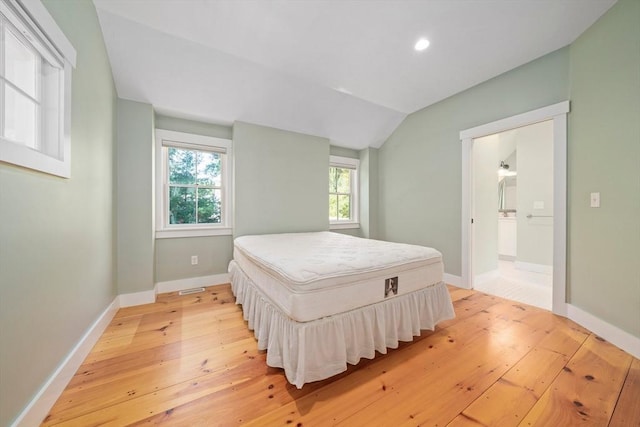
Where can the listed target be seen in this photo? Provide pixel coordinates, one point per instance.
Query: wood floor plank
(459, 293)
(459, 380)
(586, 390)
(470, 305)
(123, 385)
(511, 397)
(425, 361)
(151, 333)
(148, 369)
(627, 411)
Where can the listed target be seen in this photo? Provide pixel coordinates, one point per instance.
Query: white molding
(559, 290)
(43, 401)
(169, 233)
(557, 113)
(519, 120)
(137, 298)
(196, 142)
(343, 225)
(613, 334)
(486, 276)
(52, 31)
(354, 166)
(192, 282)
(344, 162)
(467, 212)
(535, 268)
(451, 279)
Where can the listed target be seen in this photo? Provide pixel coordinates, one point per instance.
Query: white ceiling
(345, 70)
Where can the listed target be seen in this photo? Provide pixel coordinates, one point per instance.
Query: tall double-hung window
(35, 89)
(193, 185)
(343, 192)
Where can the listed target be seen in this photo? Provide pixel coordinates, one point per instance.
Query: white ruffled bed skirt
(319, 349)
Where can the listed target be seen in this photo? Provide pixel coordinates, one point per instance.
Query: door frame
(558, 113)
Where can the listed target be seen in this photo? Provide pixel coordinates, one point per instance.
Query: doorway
(513, 214)
(557, 114)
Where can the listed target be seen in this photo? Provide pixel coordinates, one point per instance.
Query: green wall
(135, 197)
(173, 255)
(57, 252)
(369, 193)
(334, 150)
(280, 181)
(420, 164)
(604, 156)
(192, 126)
(420, 172)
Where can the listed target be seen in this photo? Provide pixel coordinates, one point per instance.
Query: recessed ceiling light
(421, 45)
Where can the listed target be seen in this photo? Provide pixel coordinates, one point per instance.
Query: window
(343, 192)
(35, 89)
(193, 185)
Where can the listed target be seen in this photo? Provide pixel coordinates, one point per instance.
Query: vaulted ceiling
(346, 70)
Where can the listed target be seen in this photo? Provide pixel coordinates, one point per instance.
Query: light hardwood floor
(191, 361)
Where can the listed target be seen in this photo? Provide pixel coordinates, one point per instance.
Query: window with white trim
(343, 192)
(35, 89)
(193, 185)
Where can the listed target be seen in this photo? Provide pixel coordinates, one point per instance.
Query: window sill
(193, 232)
(343, 225)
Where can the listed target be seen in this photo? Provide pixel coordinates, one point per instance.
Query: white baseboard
(485, 277)
(42, 402)
(452, 279)
(137, 298)
(613, 334)
(535, 268)
(192, 282)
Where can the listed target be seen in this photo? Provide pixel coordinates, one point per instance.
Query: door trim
(558, 113)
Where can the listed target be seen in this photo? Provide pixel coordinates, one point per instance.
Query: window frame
(42, 35)
(354, 166)
(165, 139)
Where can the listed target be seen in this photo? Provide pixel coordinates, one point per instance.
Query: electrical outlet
(194, 260)
(595, 200)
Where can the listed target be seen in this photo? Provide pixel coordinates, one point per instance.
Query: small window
(35, 90)
(194, 185)
(343, 192)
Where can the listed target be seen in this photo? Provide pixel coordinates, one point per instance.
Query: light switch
(538, 205)
(595, 200)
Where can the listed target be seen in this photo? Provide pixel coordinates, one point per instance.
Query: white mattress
(314, 275)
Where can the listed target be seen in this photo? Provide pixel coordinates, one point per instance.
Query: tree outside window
(195, 186)
(340, 190)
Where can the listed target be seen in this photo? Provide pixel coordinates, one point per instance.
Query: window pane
(209, 206)
(19, 118)
(344, 180)
(20, 64)
(344, 207)
(333, 207)
(182, 205)
(208, 169)
(333, 181)
(182, 166)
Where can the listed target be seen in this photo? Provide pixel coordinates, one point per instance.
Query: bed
(317, 301)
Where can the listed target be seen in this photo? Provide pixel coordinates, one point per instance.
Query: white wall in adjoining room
(535, 194)
(485, 204)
